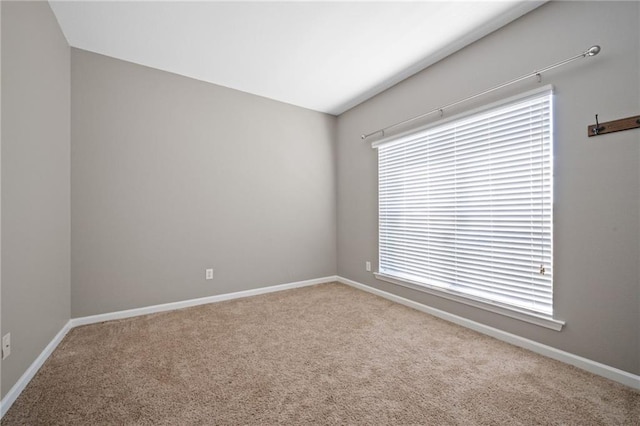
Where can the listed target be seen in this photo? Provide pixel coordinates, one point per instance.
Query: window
(465, 206)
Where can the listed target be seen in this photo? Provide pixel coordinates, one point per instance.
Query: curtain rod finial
(593, 51)
(363, 137)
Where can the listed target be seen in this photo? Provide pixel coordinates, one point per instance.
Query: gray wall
(1, 394)
(35, 182)
(597, 181)
(170, 176)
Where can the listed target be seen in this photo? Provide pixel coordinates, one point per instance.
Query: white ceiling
(325, 56)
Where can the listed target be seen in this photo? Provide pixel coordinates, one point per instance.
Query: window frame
(505, 309)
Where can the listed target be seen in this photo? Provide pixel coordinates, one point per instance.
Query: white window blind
(466, 206)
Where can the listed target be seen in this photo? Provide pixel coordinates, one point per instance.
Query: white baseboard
(75, 322)
(17, 389)
(594, 367)
(24, 380)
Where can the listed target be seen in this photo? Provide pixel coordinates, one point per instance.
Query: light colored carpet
(326, 354)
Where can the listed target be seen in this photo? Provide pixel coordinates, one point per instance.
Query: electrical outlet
(367, 266)
(6, 345)
(208, 274)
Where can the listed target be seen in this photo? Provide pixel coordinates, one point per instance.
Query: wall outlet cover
(6, 345)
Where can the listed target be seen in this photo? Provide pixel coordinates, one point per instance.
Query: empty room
(320, 212)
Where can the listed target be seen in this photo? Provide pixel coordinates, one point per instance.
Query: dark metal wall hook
(598, 128)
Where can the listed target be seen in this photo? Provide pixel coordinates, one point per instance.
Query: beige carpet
(326, 354)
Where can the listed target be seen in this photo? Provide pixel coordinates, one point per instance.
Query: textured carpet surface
(326, 354)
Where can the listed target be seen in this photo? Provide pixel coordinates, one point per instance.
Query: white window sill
(522, 315)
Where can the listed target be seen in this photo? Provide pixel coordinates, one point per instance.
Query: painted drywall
(170, 176)
(1, 394)
(596, 187)
(35, 182)
(638, 138)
